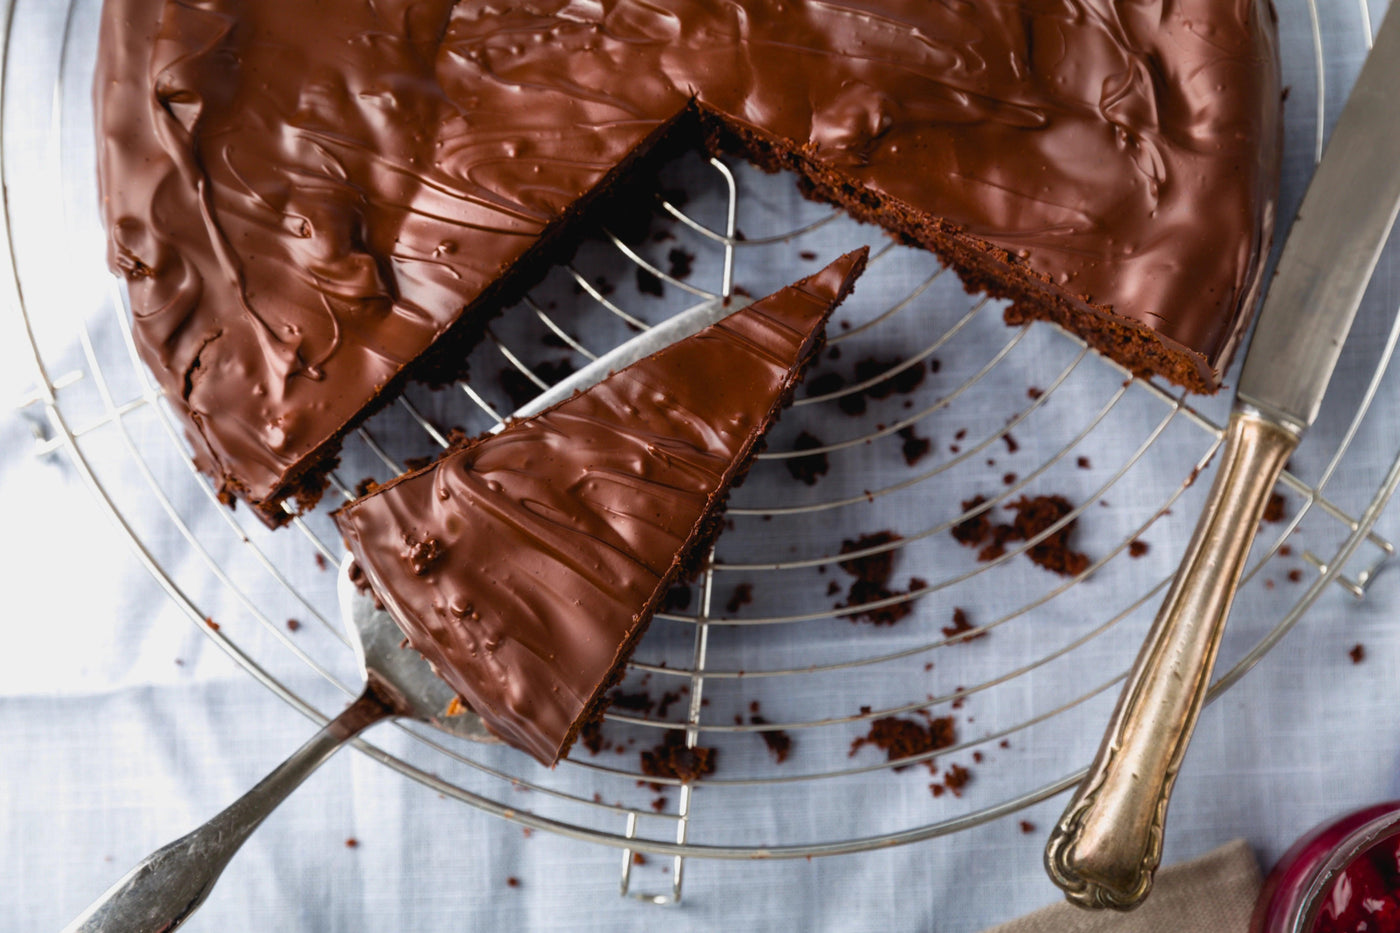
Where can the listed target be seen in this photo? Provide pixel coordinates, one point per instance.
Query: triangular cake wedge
(525, 565)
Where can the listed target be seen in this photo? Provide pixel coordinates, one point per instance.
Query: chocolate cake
(525, 565)
(305, 204)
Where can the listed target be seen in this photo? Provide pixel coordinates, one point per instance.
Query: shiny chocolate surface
(524, 565)
(304, 196)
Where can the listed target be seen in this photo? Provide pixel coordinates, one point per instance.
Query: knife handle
(1107, 845)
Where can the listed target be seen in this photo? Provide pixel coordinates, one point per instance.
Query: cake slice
(309, 209)
(525, 565)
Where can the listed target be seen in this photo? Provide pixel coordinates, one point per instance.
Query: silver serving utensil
(165, 889)
(162, 891)
(1106, 847)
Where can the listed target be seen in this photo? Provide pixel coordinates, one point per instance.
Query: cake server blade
(1106, 847)
(658, 337)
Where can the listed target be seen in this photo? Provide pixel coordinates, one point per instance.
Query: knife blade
(1106, 847)
(1332, 248)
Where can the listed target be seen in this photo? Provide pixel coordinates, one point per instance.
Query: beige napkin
(1212, 894)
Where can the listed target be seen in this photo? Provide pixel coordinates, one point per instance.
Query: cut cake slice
(526, 565)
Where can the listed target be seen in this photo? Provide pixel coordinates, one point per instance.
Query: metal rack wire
(783, 641)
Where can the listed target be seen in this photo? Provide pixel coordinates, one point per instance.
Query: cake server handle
(1107, 845)
(164, 890)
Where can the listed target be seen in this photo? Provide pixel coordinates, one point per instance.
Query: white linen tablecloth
(121, 728)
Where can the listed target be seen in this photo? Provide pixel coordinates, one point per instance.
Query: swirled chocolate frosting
(525, 565)
(305, 197)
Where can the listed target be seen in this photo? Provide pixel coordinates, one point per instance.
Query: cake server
(164, 890)
(1107, 845)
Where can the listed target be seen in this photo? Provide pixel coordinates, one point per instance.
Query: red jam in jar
(1364, 897)
(1343, 877)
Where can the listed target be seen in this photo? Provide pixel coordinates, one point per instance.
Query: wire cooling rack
(923, 404)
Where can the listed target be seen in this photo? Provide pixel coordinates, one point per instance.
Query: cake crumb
(590, 734)
(1295, 575)
(676, 598)
(1276, 510)
(778, 741)
(293, 625)
(956, 778)
(872, 568)
(905, 381)
(1137, 548)
(1357, 653)
(872, 573)
(638, 858)
(905, 738)
(961, 624)
(812, 467)
(741, 597)
(1083, 463)
(352, 843)
(1054, 553)
(1027, 827)
(1034, 393)
(512, 882)
(321, 563)
(1033, 517)
(914, 447)
(672, 759)
(209, 621)
(680, 263)
(974, 530)
(649, 284)
(828, 383)
(663, 706)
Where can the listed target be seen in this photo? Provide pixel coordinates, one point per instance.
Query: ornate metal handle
(1107, 845)
(164, 890)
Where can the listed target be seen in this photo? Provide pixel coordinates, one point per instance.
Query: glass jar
(1342, 876)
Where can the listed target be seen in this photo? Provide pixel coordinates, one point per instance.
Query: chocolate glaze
(302, 201)
(525, 565)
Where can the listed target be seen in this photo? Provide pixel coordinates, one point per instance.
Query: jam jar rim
(1348, 849)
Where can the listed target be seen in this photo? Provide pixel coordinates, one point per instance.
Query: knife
(1107, 845)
